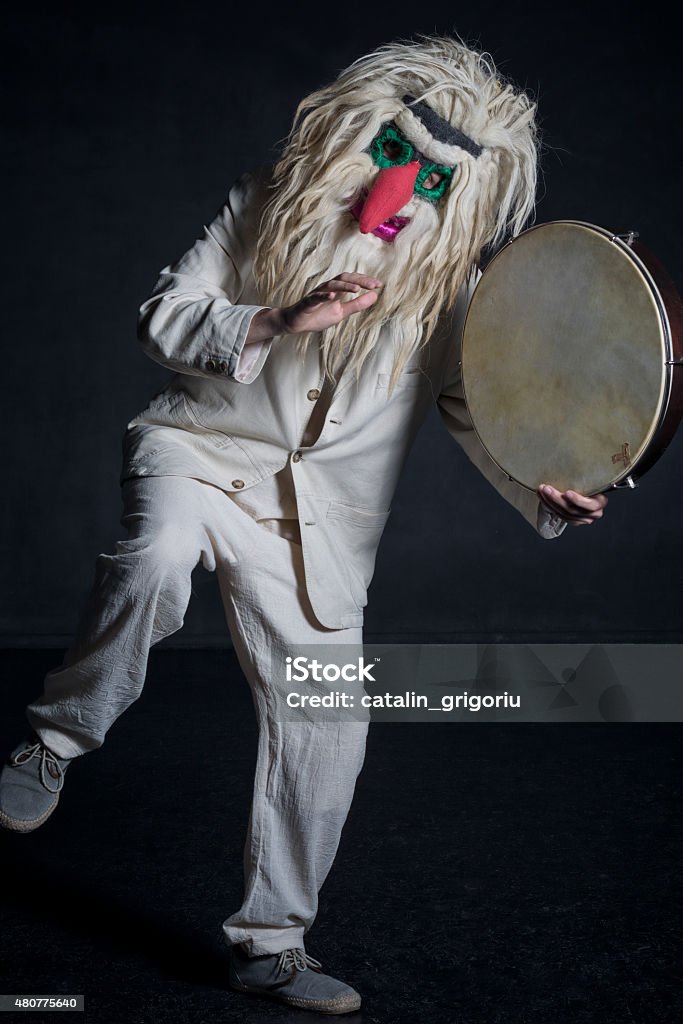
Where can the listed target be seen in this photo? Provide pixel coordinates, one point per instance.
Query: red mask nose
(390, 192)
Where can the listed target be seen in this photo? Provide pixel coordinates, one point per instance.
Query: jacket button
(238, 484)
(223, 366)
(313, 394)
(296, 457)
(210, 365)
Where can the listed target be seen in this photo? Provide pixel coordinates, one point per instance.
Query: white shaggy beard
(341, 248)
(396, 264)
(390, 262)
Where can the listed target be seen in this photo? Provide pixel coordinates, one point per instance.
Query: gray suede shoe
(30, 784)
(291, 977)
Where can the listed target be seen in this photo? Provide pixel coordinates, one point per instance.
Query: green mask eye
(390, 149)
(433, 194)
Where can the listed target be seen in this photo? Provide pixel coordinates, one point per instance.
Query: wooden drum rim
(669, 307)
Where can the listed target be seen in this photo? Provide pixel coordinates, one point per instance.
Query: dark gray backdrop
(125, 131)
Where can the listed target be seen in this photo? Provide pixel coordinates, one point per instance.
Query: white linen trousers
(305, 771)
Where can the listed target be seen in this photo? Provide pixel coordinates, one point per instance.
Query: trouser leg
(139, 596)
(306, 771)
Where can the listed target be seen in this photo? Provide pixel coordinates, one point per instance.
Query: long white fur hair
(307, 234)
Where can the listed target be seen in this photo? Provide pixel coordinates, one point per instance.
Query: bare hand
(574, 508)
(327, 305)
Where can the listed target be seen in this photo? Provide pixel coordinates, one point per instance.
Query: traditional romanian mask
(418, 145)
(417, 154)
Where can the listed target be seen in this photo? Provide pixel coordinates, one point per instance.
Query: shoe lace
(46, 758)
(296, 958)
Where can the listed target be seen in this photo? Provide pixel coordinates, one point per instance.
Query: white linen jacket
(235, 429)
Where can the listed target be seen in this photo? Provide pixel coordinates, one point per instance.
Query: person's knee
(173, 549)
(165, 548)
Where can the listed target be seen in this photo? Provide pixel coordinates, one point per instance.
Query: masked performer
(309, 329)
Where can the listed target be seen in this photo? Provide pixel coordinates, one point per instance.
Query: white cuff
(548, 524)
(247, 360)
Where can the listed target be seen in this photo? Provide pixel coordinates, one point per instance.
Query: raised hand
(325, 306)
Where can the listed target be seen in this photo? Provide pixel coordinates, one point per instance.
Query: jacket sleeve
(453, 410)
(193, 322)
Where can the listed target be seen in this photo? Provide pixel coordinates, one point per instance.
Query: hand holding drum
(571, 361)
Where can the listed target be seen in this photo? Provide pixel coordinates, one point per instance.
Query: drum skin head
(564, 358)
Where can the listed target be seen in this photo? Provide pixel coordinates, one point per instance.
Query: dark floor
(524, 874)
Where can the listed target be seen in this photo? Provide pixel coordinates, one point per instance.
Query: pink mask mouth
(388, 230)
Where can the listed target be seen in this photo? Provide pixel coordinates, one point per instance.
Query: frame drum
(572, 356)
